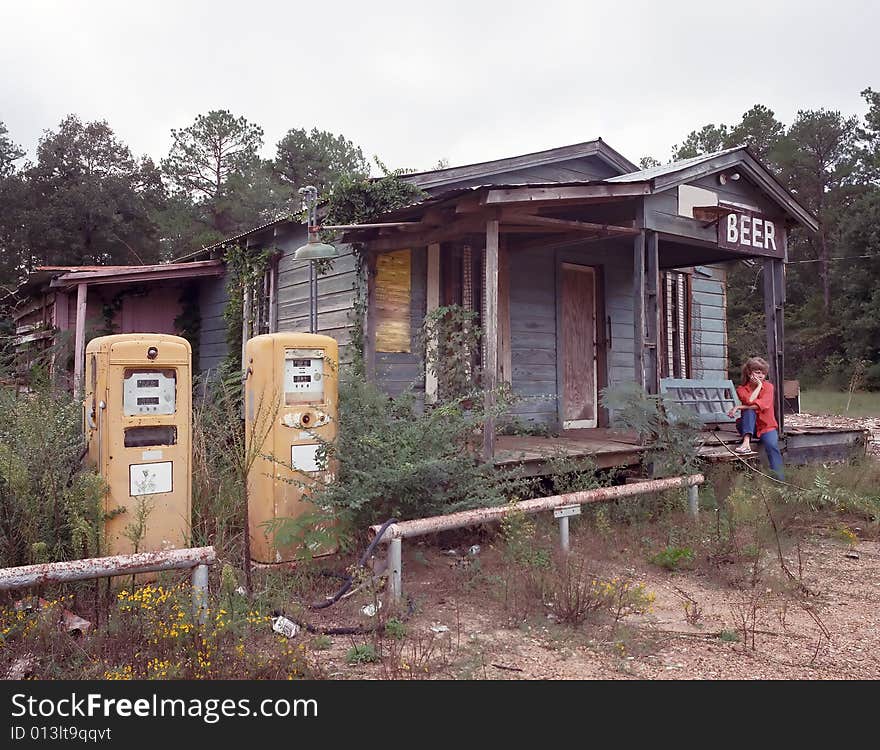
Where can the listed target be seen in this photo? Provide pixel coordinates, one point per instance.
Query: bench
(710, 400)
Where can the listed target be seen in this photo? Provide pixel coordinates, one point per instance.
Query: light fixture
(724, 178)
(314, 249)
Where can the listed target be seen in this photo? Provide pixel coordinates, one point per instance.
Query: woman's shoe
(743, 450)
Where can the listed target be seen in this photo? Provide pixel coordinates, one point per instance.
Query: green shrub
(362, 653)
(50, 509)
(668, 430)
(393, 460)
(673, 558)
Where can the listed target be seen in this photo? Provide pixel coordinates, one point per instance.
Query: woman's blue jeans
(770, 440)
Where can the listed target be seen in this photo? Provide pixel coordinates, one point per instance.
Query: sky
(413, 83)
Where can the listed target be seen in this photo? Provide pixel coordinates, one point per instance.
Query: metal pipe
(200, 593)
(103, 567)
(563, 534)
(421, 526)
(694, 500)
(395, 568)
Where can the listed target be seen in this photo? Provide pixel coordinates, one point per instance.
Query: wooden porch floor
(608, 448)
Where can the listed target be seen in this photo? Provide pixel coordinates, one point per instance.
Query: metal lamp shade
(314, 249)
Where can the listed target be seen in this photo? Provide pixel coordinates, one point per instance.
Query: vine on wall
(357, 200)
(189, 323)
(244, 267)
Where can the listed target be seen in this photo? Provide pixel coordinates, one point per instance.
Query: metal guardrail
(197, 558)
(396, 532)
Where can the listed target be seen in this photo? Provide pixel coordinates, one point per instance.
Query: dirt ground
(470, 622)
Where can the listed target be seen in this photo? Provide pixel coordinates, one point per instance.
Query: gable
(582, 162)
(734, 175)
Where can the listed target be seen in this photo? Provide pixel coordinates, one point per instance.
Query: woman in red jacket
(758, 418)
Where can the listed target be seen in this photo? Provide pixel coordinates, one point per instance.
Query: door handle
(608, 338)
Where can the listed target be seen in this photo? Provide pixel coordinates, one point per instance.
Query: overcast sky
(416, 82)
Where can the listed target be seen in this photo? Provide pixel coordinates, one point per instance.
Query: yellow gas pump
(137, 417)
(291, 394)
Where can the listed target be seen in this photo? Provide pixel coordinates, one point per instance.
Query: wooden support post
(652, 313)
(433, 302)
(61, 324)
(79, 356)
(490, 326)
(774, 313)
(639, 307)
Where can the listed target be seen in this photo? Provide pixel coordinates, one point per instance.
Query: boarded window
(392, 301)
(676, 334)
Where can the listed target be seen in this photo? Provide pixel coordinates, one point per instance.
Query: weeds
(673, 558)
(151, 634)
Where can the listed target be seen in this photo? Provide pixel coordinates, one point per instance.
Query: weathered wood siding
(533, 324)
(398, 371)
(708, 323)
(336, 292)
(212, 335)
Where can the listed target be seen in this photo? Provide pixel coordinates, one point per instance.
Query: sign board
(567, 510)
(749, 231)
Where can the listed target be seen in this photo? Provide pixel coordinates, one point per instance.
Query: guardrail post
(563, 534)
(200, 594)
(395, 568)
(694, 500)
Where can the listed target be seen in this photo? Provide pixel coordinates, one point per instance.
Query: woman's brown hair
(754, 364)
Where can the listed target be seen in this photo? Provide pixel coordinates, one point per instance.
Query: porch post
(490, 325)
(774, 308)
(433, 302)
(79, 356)
(639, 306)
(652, 314)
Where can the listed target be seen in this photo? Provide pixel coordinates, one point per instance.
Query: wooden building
(59, 309)
(584, 270)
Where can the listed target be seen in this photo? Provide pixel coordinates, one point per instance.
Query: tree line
(86, 199)
(831, 163)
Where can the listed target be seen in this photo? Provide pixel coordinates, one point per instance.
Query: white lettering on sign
(769, 234)
(753, 231)
(756, 233)
(732, 233)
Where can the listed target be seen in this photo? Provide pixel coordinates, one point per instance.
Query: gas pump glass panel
(303, 376)
(149, 392)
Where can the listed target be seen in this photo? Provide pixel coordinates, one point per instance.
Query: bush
(669, 431)
(394, 461)
(50, 509)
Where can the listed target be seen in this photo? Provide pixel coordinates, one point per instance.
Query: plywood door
(579, 346)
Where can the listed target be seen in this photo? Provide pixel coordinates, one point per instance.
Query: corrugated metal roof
(227, 240)
(649, 174)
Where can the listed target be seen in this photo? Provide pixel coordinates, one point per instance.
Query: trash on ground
(370, 610)
(285, 627)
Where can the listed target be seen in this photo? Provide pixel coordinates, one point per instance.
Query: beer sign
(750, 232)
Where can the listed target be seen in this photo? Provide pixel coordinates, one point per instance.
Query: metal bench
(710, 400)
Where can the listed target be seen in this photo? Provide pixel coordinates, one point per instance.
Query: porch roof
(668, 176)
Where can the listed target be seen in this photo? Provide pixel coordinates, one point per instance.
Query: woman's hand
(732, 412)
